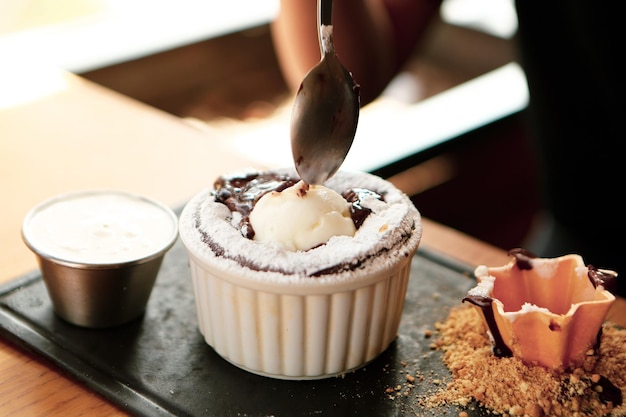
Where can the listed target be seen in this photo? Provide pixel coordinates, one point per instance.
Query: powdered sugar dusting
(391, 231)
(484, 288)
(545, 268)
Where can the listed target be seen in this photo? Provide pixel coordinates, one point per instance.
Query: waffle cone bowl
(545, 311)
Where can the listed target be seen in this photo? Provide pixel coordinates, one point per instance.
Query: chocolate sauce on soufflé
(386, 221)
(241, 192)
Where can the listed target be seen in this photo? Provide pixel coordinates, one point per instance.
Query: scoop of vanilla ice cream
(301, 217)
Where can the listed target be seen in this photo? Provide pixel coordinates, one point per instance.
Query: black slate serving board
(159, 365)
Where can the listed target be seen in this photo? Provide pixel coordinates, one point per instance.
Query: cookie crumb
(511, 388)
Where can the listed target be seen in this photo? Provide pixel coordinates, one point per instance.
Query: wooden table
(60, 133)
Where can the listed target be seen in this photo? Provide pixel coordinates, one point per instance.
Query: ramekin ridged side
(290, 331)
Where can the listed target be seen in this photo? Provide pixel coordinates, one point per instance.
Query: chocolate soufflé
(300, 314)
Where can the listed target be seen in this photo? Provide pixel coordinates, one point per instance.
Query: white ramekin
(298, 327)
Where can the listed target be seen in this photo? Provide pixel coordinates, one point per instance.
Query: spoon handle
(324, 12)
(325, 27)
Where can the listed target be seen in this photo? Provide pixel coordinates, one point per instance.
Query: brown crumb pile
(509, 387)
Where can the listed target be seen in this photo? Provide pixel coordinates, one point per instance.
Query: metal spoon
(326, 110)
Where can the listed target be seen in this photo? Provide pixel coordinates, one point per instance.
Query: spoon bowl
(325, 112)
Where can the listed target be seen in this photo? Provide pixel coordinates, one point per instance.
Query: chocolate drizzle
(500, 349)
(355, 196)
(604, 277)
(608, 392)
(241, 192)
(522, 258)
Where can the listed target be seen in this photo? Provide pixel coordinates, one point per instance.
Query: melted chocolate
(609, 393)
(522, 258)
(355, 196)
(603, 277)
(500, 349)
(240, 193)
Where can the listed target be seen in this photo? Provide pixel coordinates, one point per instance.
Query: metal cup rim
(99, 265)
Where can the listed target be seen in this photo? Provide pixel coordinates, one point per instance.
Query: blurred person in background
(569, 51)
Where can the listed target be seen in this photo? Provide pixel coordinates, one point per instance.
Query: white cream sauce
(100, 228)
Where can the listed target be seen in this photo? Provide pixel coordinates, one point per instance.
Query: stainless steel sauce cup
(97, 262)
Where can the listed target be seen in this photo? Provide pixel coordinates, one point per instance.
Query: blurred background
(212, 63)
